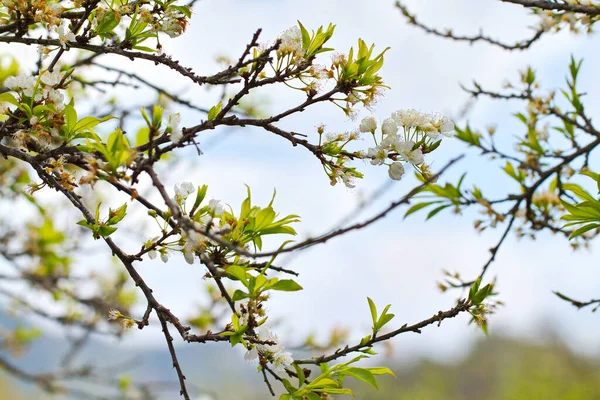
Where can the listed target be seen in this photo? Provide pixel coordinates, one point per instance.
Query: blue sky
(394, 261)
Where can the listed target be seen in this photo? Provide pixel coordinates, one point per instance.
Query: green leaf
(305, 36)
(117, 215)
(288, 386)
(510, 170)
(335, 391)
(373, 311)
(384, 319)
(419, 206)
(214, 111)
(300, 373)
(235, 339)
(381, 371)
(105, 230)
(562, 296)
(362, 375)
(184, 10)
(237, 272)
(239, 295)
(286, 285)
(98, 211)
(484, 328)
(433, 212)
(324, 367)
(200, 195)
(474, 289)
(109, 22)
(84, 223)
(578, 190)
(482, 294)
(8, 98)
(87, 123)
(70, 117)
(145, 48)
(583, 229)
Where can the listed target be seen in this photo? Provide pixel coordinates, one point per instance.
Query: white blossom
(368, 124)
(23, 82)
(265, 334)
(51, 78)
(113, 314)
(389, 127)
(173, 23)
(415, 157)
(216, 207)
(396, 170)
(251, 354)
(338, 58)
(377, 155)
(282, 361)
(446, 126)
(189, 255)
(65, 35)
(56, 8)
(183, 190)
(402, 147)
(56, 97)
(410, 118)
(291, 42)
(173, 124)
(431, 131)
(164, 256)
(348, 180)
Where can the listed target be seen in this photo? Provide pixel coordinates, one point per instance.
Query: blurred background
(539, 347)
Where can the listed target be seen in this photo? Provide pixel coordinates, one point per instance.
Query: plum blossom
(174, 22)
(216, 207)
(173, 124)
(282, 361)
(389, 127)
(396, 170)
(65, 35)
(368, 124)
(164, 255)
(22, 82)
(291, 43)
(114, 314)
(409, 118)
(51, 78)
(378, 155)
(183, 190)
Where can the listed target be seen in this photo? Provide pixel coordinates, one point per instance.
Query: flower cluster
(291, 44)
(552, 20)
(45, 122)
(269, 348)
(174, 22)
(192, 241)
(115, 315)
(405, 138)
(38, 88)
